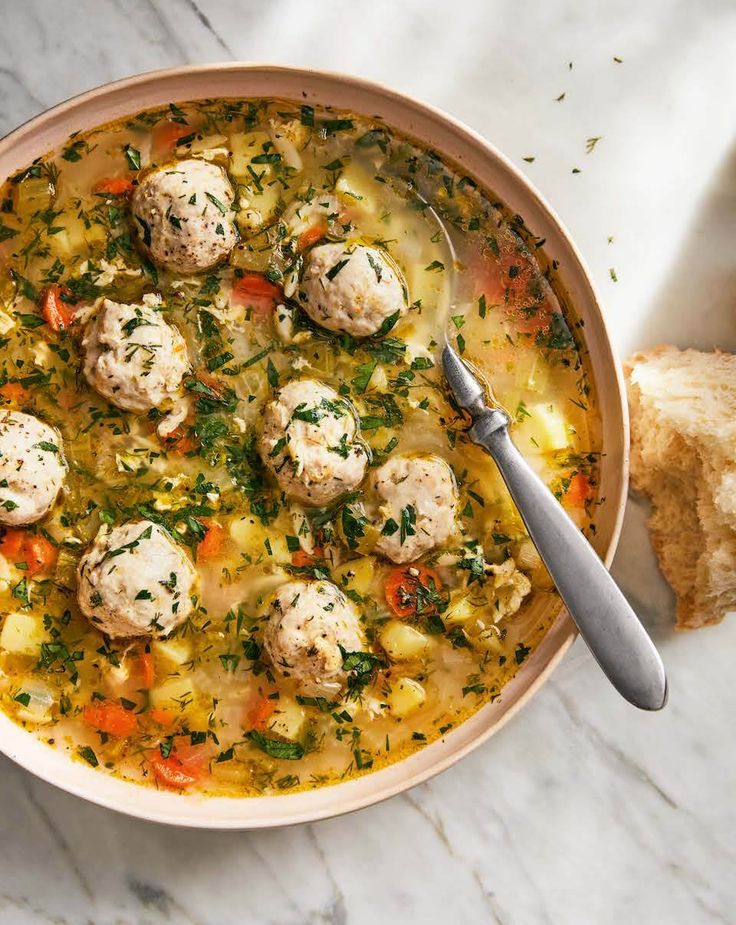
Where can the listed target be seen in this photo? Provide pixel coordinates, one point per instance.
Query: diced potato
(175, 693)
(355, 186)
(249, 534)
(176, 651)
(357, 574)
(459, 609)
(244, 147)
(544, 430)
(259, 205)
(402, 642)
(75, 238)
(287, 720)
(279, 551)
(232, 772)
(552, 425)
(406, 696)
(22, 634)
(257, 196)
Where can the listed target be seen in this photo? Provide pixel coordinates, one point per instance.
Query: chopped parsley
(276, 748)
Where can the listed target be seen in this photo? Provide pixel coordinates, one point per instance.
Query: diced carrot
(39, 554)
(260, 711)
(31, 549)
(11, 545)
(184, 766)
(171, 772)
(578, 490)
(167, 134)
(303, 559)
(15, 393)
(110, 717)
(180, 441)
(210, 546)
(186, 444)
(115, 186)
(255, 291)
(145, 669)
(311, 236)
(211, 381)
(194, 756)
(161, 716)
(409, 590)
(57, 313)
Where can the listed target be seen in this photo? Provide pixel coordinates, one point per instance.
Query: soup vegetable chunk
(246, 545)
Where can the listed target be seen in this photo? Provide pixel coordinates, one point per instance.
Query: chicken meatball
(133, 356)
(351, 288)
(185, 217)
(32, 468)
(309, 622)
(135, 581)
(308, 440)
(416, 498)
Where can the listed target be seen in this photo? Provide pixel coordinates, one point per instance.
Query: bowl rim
(183, 810)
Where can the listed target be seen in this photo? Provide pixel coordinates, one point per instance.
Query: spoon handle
(602, 614)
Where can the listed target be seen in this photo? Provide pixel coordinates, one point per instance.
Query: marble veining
(581, 810)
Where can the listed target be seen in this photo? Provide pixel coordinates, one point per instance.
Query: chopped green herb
(133, 157)
(333, 126)
(276, 748)
(333, 271)
(89, 755)
(216, 203)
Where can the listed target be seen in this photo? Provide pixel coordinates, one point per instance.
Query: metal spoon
(601, 613)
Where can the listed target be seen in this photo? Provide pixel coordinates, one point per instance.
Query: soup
(247, 546)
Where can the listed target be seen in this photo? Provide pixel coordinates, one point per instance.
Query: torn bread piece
(683, 456)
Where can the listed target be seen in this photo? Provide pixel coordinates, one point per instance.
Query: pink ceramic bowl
(479, 159)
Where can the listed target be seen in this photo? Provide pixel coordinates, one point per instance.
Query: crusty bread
(683, 455)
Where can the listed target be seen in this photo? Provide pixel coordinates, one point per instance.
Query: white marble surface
(581, 810)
